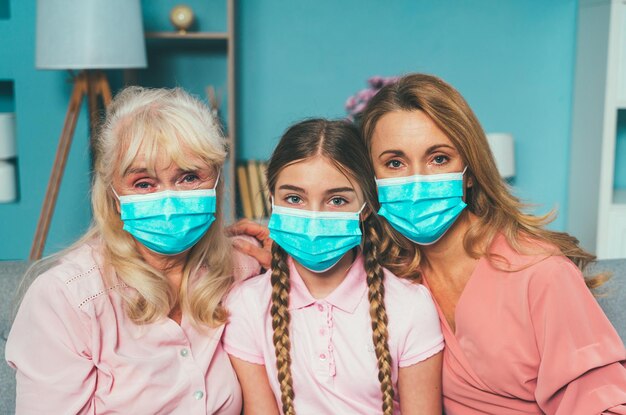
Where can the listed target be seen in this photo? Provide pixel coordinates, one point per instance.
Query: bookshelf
(171, 55)
(597, 202)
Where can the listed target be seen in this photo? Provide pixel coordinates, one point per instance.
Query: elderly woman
(129, 319)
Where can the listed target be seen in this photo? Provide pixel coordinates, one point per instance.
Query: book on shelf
(256, 194)
(244, 192)
(252, 189)
(266, 191)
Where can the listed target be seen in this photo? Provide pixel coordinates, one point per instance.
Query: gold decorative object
(182, 17)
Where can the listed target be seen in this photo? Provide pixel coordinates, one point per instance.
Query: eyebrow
(437, 146)
(400, 153)
(135, 170)
(301, 190)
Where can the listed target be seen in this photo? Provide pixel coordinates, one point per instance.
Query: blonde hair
(159, 123)
(338, 142)
(489, 197)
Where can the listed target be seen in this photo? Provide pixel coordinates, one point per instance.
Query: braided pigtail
(378, 314)
(280, 324)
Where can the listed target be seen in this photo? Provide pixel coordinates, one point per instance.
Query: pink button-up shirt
(77, 352)
(333, 360)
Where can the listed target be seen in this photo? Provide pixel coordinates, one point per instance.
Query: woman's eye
(190, 178)
(440, 159)
(394, 164)
(142, 185)
(338, 201)
(294, 200)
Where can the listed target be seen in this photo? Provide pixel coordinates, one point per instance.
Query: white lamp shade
(8, 149)
(90, 34)
(502, 147)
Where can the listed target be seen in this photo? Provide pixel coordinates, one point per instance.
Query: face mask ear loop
(219, 174)
(115, 193)
(464, 170)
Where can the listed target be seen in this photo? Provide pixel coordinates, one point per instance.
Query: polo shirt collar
(346, 296)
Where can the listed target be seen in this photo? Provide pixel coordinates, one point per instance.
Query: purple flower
(357, 102)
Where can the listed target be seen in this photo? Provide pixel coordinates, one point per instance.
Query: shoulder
(405, 291)
(244, 266)
(76, 278)
(538, 262)
(251, 293)
(405, 298)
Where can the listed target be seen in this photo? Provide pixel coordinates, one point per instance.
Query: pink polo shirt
(77, 352)
(333, 360)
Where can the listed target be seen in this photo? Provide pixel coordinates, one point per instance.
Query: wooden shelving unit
(226, 43)
(189, 35)
(597, 206)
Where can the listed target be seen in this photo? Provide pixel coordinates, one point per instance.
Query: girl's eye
(338, 201)
(394, 164)
(440, 159)
(294, 200)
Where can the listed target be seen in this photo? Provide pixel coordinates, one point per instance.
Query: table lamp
(503, 150)
(85, 36)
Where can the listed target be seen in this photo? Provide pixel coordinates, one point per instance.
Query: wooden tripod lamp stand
(88, 36)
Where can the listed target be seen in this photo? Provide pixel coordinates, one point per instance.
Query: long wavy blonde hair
(161, 123)
(156, 123)
(489, 197)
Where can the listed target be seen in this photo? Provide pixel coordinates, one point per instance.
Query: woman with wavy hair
(327, 330)
(129, 319)
(523, 332)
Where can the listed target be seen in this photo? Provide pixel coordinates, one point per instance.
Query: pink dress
(531, 341)
(76, 351)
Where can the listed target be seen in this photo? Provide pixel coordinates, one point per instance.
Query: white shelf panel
(619, 197)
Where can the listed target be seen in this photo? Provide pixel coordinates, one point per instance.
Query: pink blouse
(531, 341)
(76, 351)
(333, 359)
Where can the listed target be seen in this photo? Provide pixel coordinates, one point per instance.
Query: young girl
(326, 329)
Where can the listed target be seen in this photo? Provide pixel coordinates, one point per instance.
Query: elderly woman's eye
(142, 185)
(190, 178)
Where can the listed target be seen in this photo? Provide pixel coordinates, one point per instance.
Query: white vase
(8, 148)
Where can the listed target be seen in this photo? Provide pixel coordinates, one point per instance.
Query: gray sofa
(612, 299)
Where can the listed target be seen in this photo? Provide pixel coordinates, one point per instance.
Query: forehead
(314, 173)
(408, 131)
(157, 158)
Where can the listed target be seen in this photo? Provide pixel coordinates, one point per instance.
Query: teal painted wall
(40, 101)
(513, 61)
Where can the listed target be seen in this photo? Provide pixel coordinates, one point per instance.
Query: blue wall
(512, 60)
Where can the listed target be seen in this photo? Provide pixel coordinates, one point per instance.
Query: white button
(322, 356)
(198, 395)
(320, 307)
(184, 352)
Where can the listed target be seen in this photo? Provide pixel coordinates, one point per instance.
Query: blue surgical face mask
(316, 240)
(422, 208)
(168, 222)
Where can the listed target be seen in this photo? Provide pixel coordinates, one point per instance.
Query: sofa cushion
(10, 276)
(612, 294)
